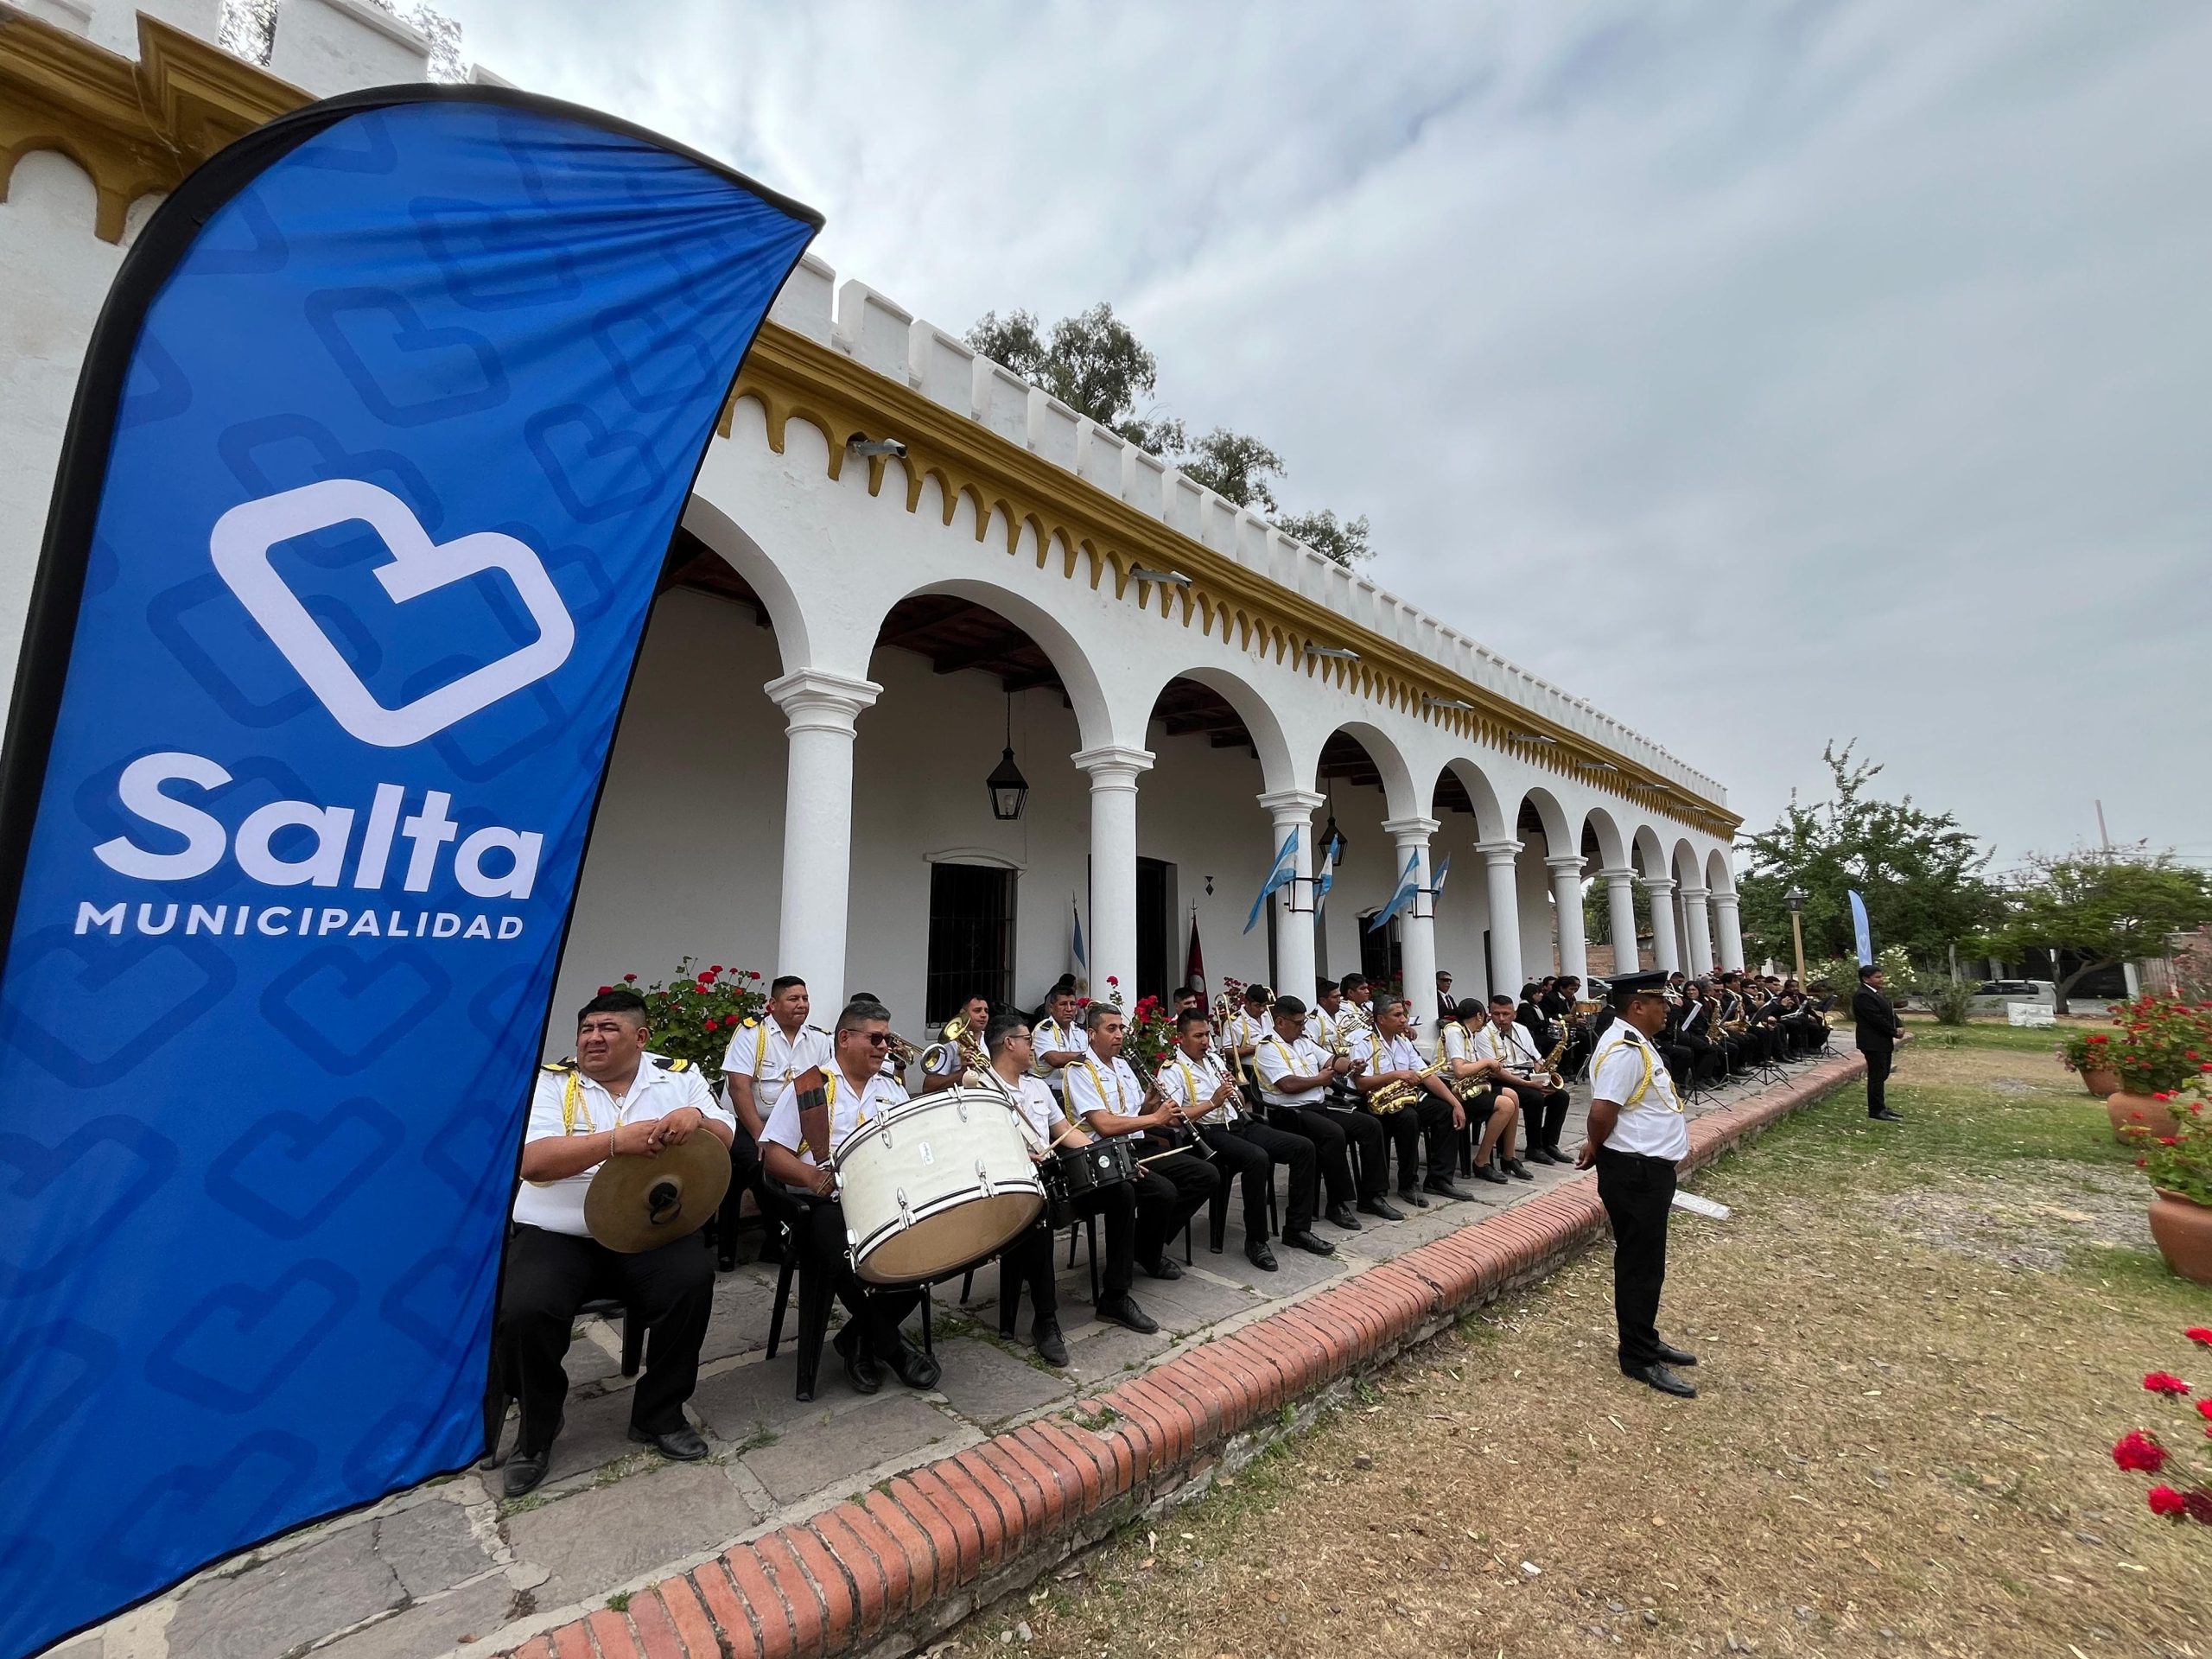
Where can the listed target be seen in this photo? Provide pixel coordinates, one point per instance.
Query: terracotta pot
(2138, 1112)
(2184, 1230)
(2100, 1084)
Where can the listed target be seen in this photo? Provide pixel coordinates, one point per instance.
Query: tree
(1920, 873)
(1092, 363)
(2104, 905)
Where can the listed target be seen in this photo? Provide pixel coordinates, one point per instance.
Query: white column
(1663, 956)
(1620, 909)
(1567, 912)
(1504, 891)
(1113, 768)
(820, 709)
(1697, 929)
(1295, 973)
(1729, 927)
(1416, 934)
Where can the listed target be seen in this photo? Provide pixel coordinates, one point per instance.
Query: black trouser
(1251, 1151)
(1330, 1132)
(1428, 1118)
(1677, 1056)
(818, 1229)
(1170, 1191)
(1402, 1135)
(1878, 1061)
(1637, 1192)
(1543, 1114)
(549, 1275)
(744, 1177)
(1032, 1255)
(1708, 1063)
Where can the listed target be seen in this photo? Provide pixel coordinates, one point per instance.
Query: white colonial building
(848, 640)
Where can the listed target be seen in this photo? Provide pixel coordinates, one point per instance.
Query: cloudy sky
(1766, 375)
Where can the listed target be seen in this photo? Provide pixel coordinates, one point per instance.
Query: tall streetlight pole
(1796, 899)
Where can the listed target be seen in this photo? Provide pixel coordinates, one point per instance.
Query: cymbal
(641, 1201)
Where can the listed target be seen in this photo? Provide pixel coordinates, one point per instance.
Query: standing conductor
(1638, 1135)
(1879, 1029)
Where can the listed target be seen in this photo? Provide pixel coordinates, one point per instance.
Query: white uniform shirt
(1460, 1043)
(1034, 1104)
(1382, 1053)
(1277, 1058)
(1327, 1030)
(566, 1101)
(1627, 1070)
(1049, 1036)
(848, 1111)
(1244, 1029)
(1513, 1046)
(762, 1053)
(1096, 1085)
(1193, 1084)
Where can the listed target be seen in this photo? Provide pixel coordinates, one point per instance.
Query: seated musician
(1240, 1042)
(1574, 1024)
(1329, 1023)
(963, 1044)
(1013, 1055)
(1484, 1088)
(1104, 1094)
(1388, 1058)
(1544, 1100)
(1185, 998)
(763, 1057)
(1056, 1036)
(1530, 1013)
(1359, 999)
(615, 1096)
(1447, 1005)
(1295, 1078)
(1198, 1086)
(1694, 1030)
(803, 1193)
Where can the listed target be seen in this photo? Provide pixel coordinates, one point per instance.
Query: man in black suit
(1879, 1030)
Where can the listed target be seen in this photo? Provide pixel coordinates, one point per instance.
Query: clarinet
(1186, 1138)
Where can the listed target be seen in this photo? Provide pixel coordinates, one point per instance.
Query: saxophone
(1397, 1096)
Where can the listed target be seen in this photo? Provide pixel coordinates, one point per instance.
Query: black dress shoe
(861, 1369)
(1310, 1241)
(1051, 1347)
(1165, 1268)
(524, 1473)
(1553, 1152)
(1441, 1186)
(913, 1367)
(726, 1261)
(684, 1445)
(1411, 1195)
(1490, 1173)
(1518, 1170)
(1662, 1379)
(1123, 1310)
(1670, 1355)
(1381, 1208)
(1340, 1215)
(1257, 1253)
(1886, 1115)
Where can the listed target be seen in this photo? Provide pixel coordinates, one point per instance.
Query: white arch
(1650, 855)
(722, 537)
(1093, 711)
(1560, 839)
(1278, 770)
(1401, 800)
(1719, 876)
(1688, 872)
(1491, 822)
(1612, 850)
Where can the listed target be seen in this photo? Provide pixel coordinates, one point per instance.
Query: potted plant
(2088, 1053)
(2178, 1164)
(693, 1015)
(2179, 1494)
(2164, 1043)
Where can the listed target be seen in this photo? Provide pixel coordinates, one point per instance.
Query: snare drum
(1104, 1163)
(933, 1185)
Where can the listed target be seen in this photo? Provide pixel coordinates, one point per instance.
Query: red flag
(1194, 967)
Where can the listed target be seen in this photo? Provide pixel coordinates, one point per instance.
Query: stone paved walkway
(449, 1566)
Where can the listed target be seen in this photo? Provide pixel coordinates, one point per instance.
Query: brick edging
(927, 1548)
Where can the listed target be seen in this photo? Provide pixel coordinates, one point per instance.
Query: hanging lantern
(1009, 789)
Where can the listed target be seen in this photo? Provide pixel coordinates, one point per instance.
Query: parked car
(1991, 995)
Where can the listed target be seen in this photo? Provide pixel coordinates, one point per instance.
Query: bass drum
(933, 1185)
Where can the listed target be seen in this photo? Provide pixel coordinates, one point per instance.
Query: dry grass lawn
(1919, 1342)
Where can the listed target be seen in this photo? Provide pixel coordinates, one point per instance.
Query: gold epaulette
(569, 1064)
(668, 1065)
(749, 1022)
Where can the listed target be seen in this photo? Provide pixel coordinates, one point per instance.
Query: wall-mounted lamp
(1448, 702)
(1595, 766)
(1533, 737)
(1337, 652)
(1166, 578)
(869, 448)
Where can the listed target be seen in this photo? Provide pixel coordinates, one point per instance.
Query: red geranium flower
(604, 990)
(715, 969)
(2164, 1383)
(709, 1024)
(629, 979)
(2200, 1335)
(2205, 1409)
(2167, 1501)
(2138, 1451)
(2099, 1036)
